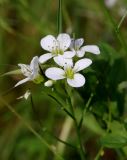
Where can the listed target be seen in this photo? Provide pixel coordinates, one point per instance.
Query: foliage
(100, 106)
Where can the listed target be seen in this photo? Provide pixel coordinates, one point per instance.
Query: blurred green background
(22, 24)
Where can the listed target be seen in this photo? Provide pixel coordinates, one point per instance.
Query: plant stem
(84, 110)
(108, 129)
(30, 128)
(80, 147)
(122, 19)
(114, 25)
(59, 17)
(99, 154)
(68, 123)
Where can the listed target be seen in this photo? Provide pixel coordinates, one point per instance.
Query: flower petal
(92, 49)
(78, 81)
(69, 54)
(76, 43)
(25, 95)
(22, 81)
(61, 61)
(79, 42)
(64, 41)
(34, 62)
(55, 73)
(48, 43)
(80, 53)
(82, 64)
(34, 65)
(45, 57)
(25, 69)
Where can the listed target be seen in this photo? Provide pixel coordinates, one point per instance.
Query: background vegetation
(22, 24)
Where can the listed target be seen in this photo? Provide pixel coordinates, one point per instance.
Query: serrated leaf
(113, 140)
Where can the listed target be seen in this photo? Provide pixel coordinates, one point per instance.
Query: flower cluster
(68, 56)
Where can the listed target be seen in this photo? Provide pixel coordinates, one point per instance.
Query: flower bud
(48, 83)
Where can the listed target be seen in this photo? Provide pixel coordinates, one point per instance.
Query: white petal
(92, 49)
(76, 43)
(34, 62)
(82, 64)
(72, 45)
(61, 61)
(45, 57)
(79, 42)
(64, 41)
(55, 73)
(78, 81)
(48, 43)
(25, 69)
(80, 53)
(69, 54)
(34, 65)
(27, 94)
(22, 81)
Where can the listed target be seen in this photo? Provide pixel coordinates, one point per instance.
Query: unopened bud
(48, 83)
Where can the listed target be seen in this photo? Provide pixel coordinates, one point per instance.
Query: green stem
(84, 110)
(66, 128)
(59, 17)
(122, 19)
(108, 129)
(80, 147)
(30, 128)
(99, 154)
(114, 26)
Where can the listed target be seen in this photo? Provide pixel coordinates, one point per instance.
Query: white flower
(70, 72)
(80, 51)
(110, 3)
(56, 46)
(61, 61)
(26, 95)
(31, 72)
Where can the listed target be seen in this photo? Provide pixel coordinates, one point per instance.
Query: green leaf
(118, 128)
(91, 123)
(108, 53)
(113, 140)
(5, 25)
(122, 86)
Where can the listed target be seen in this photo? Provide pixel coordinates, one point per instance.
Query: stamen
(69, 72)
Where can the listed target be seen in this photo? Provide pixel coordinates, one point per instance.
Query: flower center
(69, 73)
(57, 51)
(38, 79)
(76, 47)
